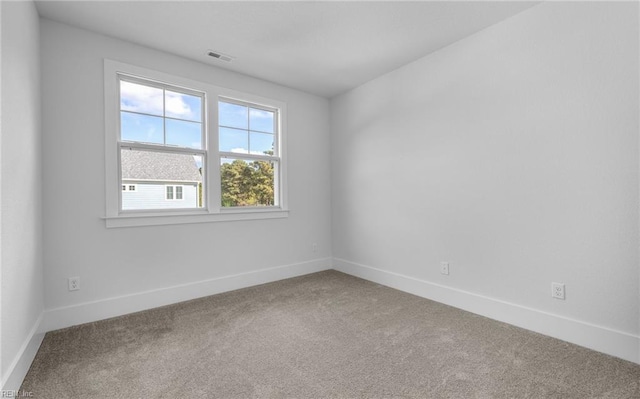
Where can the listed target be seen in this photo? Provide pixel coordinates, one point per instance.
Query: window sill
(160, 219)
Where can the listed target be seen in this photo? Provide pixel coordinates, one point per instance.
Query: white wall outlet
(314, 247)
(444, 268)
(74, 283)
(557, 290)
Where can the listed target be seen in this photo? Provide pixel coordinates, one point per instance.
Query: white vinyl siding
(153, 196)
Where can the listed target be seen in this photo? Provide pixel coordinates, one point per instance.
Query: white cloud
(258, 113)
(244, 151)
(177, 107)
(138, 98)
(149, 100)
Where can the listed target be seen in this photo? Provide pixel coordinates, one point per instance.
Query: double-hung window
(183, 151)
(249, 157)
(162, 136)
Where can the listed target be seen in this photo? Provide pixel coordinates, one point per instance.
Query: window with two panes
(248, 152)
(174, 193)
(161, 140)
(164, 140)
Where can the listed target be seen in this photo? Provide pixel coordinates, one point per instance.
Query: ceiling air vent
(219, 56)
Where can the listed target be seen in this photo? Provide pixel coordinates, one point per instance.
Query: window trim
(212, 210)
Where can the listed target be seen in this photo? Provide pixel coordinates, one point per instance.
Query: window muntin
(249, 154)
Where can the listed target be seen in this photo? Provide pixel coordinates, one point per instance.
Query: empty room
(330, 199)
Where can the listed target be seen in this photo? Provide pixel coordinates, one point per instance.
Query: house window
(173, 193)
(196, 152)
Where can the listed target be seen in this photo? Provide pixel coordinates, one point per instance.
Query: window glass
(247, 182)
(141, 128)
(159, 116)
(234, 140)
(160, 128)
(140, 98)
(261, 143)
(261, 120)
(183, 133)
(151, 170)
(183, 106)
(233, 115)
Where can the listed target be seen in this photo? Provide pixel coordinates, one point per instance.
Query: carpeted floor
(325, 335)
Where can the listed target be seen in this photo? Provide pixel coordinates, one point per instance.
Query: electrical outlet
(557, 290)
(74, 283)
(314, 247)
(444, 268)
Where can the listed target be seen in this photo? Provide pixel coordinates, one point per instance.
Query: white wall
(21, 179)
(136, 262)
(513, 154)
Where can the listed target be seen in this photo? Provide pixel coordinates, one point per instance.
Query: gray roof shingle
(150, 165)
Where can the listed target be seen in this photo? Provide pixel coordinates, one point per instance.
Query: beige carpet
(325, 335)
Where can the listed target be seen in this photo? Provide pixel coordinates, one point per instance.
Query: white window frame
(276, 157)
(212, 210)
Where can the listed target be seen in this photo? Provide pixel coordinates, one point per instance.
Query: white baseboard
(18, 369)
(601, 339)
(68, 316)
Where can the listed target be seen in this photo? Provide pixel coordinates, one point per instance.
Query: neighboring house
(159, 180)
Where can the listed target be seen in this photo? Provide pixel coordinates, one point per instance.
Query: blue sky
(245, 130)
(242, 129)
(142, 117)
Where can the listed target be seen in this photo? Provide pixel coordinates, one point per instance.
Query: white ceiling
(324, 48)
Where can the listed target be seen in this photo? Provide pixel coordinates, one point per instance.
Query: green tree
(247, 183)
(263, 182)
(200, 189)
